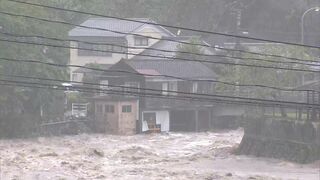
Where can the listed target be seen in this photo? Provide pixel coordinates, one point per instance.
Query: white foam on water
(160, 156)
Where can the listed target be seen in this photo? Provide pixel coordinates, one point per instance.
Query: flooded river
(158, 156)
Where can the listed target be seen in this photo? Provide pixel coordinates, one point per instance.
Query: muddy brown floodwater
(158, 156)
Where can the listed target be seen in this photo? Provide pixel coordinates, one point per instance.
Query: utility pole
(238, 32)
(238, 7)
(238, 47)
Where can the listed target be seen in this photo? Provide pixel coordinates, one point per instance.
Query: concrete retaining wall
(297, 141)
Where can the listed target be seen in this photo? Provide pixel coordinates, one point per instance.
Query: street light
(316, 9)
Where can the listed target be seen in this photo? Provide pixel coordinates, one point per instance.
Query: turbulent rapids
(160, 156)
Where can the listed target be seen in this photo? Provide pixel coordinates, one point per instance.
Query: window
(108, 108)
(127, 109)
(195, 87)
(141, 41)
(75, 77)
(119, 49)
(169, 86)
(104, 86)
(173, 86)
(202, 87)
(132, 87)
(99, 109)
(85, 49)
(165, 88)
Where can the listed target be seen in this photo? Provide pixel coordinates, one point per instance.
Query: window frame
(173, 86)
(75, 76)
(104, 86)
(131, 86)
(126, 109)
(195, 87)
(165, 88)
(99, 108)
(82, 52)
(169, 86)
(109, 109)
(141, 41)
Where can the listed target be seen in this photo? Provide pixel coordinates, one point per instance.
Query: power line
(88, 83)
(149, 75)
(161, 57)
(164, 39)
(115, 86)
(224, 98)
(102, 85)
(116, 92)
(160, 50)
(170, 26)
(135, 94)
(79, 89)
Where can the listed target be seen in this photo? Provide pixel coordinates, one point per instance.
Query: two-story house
(119, 49)
(113, 36)
(119, 39)
(165, 109)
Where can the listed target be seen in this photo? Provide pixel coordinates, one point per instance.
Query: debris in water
(52, 154)
(98, 153)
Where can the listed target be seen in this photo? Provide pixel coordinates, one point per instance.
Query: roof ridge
(103, 18)
(160, 60)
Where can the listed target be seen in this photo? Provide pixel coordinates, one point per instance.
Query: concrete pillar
(318, 107)
(210, 119)
(313, 110)
(300, 113)
(196, 114)
(308, 101)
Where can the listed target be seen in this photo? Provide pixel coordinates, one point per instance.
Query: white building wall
(162, 117)
(75, 59)
(145, 31)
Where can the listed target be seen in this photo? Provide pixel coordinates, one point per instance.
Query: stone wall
(297, 141)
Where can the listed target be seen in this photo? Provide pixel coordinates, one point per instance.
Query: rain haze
(160, 89)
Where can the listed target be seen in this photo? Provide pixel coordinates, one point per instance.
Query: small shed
(116, 115)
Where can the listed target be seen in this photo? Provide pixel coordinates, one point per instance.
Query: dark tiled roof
(314, 85)
(181, 69)
(110, 24)
(168, 46)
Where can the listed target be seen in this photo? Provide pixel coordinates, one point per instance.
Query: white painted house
(119, 35)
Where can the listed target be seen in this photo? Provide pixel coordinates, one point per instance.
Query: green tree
(264, 76)
(21, 107)
(189, 51)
